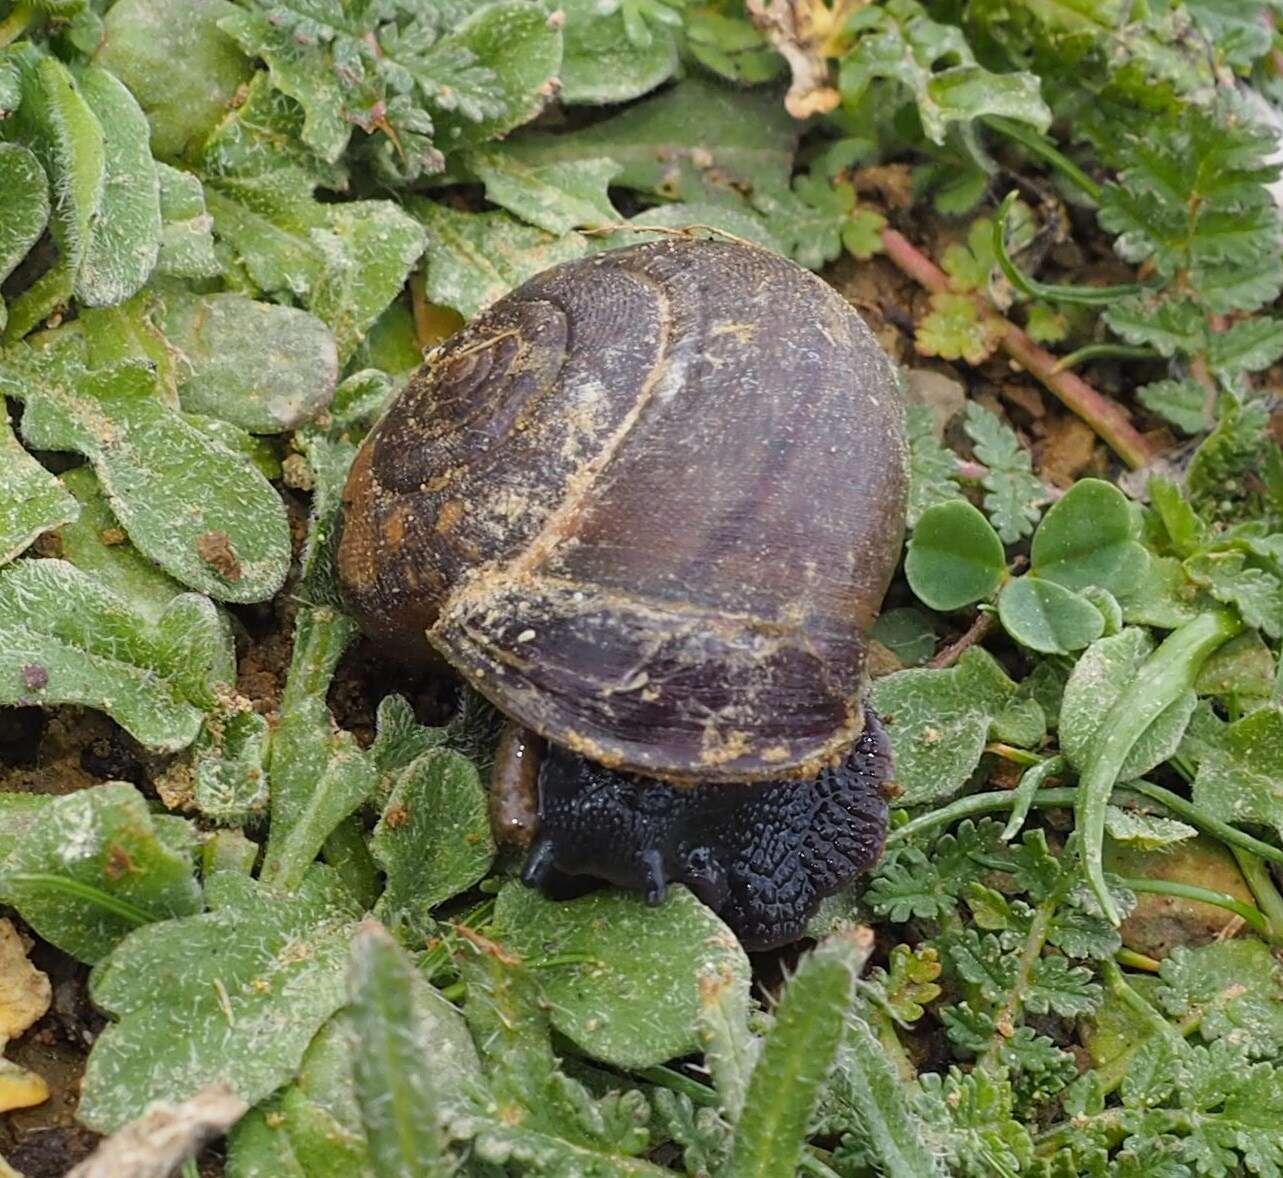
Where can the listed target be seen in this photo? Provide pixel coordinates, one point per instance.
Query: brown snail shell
(647, 504)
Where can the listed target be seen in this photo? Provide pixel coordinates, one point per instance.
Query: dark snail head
(647, 504)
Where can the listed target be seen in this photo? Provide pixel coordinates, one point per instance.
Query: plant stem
(1130, 957)
(16, 23)
(675, 1081)
(1261, 882)
(1037, 145)
(1105, 417)
(1005, 1018)
(1166, 675)
(977, 632)
(1105, 352)
(1205, 822)
(1029, 786)
(1169, 887)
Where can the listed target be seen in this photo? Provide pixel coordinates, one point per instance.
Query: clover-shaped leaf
(955, 557)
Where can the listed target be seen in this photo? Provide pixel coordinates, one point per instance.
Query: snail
(648, 504)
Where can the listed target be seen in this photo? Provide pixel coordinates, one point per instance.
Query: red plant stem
(1105, 417)
(978, 631)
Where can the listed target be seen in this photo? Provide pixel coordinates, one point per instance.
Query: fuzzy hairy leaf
(31, 498)
(69, 639)
(613, 53)
(433, 840)
(939, 721)
(233, 995)
(1238, 771)
(201, 512)
(94, 865)
(796, 1058)
(634, 999)
(26, 209)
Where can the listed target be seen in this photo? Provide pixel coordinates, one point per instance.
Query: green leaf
(1232, 986)
(475, 258)
(807, 219)
(697, 218)
(1182, 402)
(632, 998)
(124, 238)
(908, 633)
(319, 774)
(1012, 494)
(95, 543)
(939, 721)
(229, 764)
(605, 61)
(95, 865)
(1089, 538)
(263, 367)
(697, 141)
(555, 197)
(1238, 776)
(932, 466)
(186, 240)
(796, 1058)
(1047, 617)
(399, 76)
(1251, 345)
(26, 209)
(935, 63)
(955, 557)
(69, 639)
(1147, 832)
(973, 1117)
(958, 329)
(1256, 594)
(31, 499)
(433, 839)
(1177, 325)
(413, 1059)
(199, 511)
(1099, 679)
(56, 122)
(730, 1049)
(233, 995)
(143, 39)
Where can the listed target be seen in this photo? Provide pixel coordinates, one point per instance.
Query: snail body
(647, 504)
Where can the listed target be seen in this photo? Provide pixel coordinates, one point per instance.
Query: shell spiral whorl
(647, 503)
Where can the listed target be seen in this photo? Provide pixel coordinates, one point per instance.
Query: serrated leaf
(697, 218)
(1234, 988)
(475, 258)
(1238, 772)
(1255, 593)
(935, 63)
(932, 466)
(1104, 672)
(1047, 617)
(68, 639)
(1251, 345)
(555, 197)
(796, 1058)
(807, 219)
(1013, 495)
(31, 498)
(433, 840)
(1177, 325)
(939, 721)
(634, 1000)
(263, 367)
(958, 329)
(955, 558)
(202, 513)
(604, 61)
(1064, 989)
(95, 865)
(124, 238)
(233, 995)
(1182, 402)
